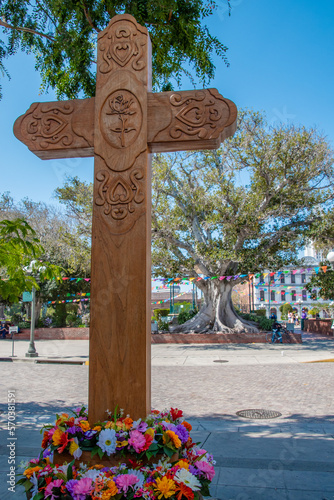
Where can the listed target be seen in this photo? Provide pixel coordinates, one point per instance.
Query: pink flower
(124, 481)
(54, 484)
(82, 488)
(137, 441)
(207, 469)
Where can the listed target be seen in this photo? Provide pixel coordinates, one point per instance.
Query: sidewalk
(290, 457)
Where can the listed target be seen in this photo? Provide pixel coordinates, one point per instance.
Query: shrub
(160, 313)
(163, 325)
(86, 319)
(185, 316)
(260, 312)
(262, 322)
(16, 318)
(24, 325)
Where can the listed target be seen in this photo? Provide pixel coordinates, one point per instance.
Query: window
(272, 295)
(293, 278)
(293, 295)
(262, 295)
(283, 296)
(272, 278)
(314, 294)
(303, 278)
(304, 295)
(282, 278)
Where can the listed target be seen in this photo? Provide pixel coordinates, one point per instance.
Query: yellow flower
(150, 432)
(29, 472)
(183, 464)
(73, 446)
(56, 437)
(84, 424)
(171, 436)
(119, 444)
(97, 428)
(165, 487)
(112, 487)
(110, 425)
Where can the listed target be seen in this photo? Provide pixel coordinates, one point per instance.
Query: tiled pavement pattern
(291, 457)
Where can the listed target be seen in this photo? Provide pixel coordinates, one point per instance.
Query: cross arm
(60, 129)
(189, 120)
(177, 121)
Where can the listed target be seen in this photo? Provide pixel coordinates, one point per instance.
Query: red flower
(149, 440)
(64, 442)
(175, 413)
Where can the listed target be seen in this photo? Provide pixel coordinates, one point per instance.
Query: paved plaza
(290, 457)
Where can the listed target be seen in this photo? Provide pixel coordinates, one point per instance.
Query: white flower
(186, 477)
(92, 474)
(34, 481)
(107, 441)
(139, 475)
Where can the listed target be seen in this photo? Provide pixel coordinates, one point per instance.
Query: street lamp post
(31, 353)
(299, 302)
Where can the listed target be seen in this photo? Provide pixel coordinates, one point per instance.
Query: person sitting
(277, 332)
(3, 329)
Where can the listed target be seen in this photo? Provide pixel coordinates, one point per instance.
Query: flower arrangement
(182, 470)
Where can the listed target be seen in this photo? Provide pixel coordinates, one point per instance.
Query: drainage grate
(220, 361)
(260, 414)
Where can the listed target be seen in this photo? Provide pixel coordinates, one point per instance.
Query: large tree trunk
(217, 313)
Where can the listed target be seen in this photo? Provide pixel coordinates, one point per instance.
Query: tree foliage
(244, 208)
(324, 281)
(19, 246)
(63, 38)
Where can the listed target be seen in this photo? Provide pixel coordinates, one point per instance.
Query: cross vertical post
(120, 343)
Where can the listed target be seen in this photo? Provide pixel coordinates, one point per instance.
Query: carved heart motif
(193, 114)
(123, 51)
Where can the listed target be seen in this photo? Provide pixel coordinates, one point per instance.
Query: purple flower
(140, 426)
(80, 488)
(74, 429)
(89, 434)
(182, 432)
(194, 471)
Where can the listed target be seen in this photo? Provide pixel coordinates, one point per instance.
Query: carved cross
(121, 126)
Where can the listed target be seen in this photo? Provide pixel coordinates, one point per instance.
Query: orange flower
(128, 422)
(184, 491)
(62, 418)
(183, 464)
(97, 428)
(187, 425)
(171, 436)
(45, 440)
(56, 437)
(29, 472)
(112, 487)
(110, 425)
(84, 424)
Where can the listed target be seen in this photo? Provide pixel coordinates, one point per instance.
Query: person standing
(303, 318)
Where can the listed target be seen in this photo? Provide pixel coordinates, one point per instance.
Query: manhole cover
(220, 361)
(259, 414)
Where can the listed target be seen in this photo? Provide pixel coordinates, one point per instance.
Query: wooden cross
(120, 127)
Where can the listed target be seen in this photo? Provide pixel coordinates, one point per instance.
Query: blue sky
(281, 62)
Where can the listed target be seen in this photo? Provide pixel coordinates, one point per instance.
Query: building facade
(273, 289)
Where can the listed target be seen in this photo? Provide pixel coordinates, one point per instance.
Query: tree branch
(25, 30)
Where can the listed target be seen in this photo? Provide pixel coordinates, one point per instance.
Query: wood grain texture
(61, 129)
(189, 120)
(119, 356)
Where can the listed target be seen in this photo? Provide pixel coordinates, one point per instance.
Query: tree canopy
(63, 37)
(19, 247)
(324, 281)
(245, 208)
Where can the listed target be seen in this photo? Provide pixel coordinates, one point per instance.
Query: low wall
(320, 326)
(162, 338)
(221, 338)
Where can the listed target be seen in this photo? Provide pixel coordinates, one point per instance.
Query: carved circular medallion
(121, 119)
